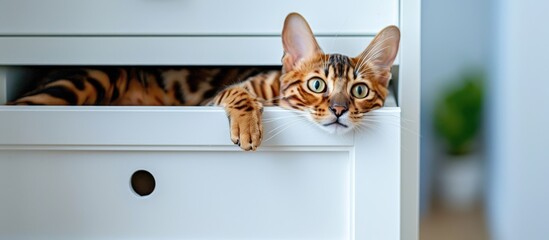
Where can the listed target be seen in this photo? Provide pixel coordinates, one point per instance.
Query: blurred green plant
(458, 115)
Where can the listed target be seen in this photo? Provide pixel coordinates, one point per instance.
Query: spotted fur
(332, 90)
(135, 86)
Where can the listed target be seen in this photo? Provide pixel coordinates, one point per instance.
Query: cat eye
(360, 90)
(316, 85)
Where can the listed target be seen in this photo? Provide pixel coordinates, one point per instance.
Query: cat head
(334, 91)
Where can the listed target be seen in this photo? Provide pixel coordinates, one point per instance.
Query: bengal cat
(334, 91)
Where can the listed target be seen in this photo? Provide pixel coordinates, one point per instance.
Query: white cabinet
(65, 172)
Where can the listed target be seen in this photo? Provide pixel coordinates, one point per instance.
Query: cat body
(140, 86)
(333, 91)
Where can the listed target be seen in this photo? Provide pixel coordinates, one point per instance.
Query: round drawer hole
(143, 183)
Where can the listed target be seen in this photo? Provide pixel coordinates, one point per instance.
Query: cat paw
(246, 127)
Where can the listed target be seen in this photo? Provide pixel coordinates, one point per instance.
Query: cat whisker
(382, 122)
(379, 119)
(362, 127)
(367, 127)
(384, 118)
(298, 112)
(358, 127)
(284, 124)
(406, 120)
(397, 124)
(391, 118)
(284, 127)
(268, 120)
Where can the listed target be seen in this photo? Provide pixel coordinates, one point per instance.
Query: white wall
(455, 36)
(519, 136)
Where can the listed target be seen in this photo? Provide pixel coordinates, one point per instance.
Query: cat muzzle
(335, 122)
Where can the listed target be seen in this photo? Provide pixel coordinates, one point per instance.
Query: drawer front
(232, 50)
(149, 127)
(198, 195)
(192, 17)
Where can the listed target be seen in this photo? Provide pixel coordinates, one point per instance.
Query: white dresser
(66, 172)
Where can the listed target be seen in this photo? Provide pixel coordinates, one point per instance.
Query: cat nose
(338, 110)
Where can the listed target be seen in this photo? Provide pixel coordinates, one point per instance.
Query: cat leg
(244, 103)
(244, 112)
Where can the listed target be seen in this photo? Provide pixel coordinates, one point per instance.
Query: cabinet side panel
(377, 180)
(409, 101)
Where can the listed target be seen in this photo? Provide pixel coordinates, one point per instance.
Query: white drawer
(191, 17)
(65, 174)
(198, 195)
(179, 32)
(233, 50)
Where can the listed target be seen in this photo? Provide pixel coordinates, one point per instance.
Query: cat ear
(298, 41)
(381, 53)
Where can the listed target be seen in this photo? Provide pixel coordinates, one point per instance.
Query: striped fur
(133, 86)
(334, 91)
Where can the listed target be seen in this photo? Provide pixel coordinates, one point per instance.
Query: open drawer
(65, 173)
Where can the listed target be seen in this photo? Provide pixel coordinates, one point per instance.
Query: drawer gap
(18, 80)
